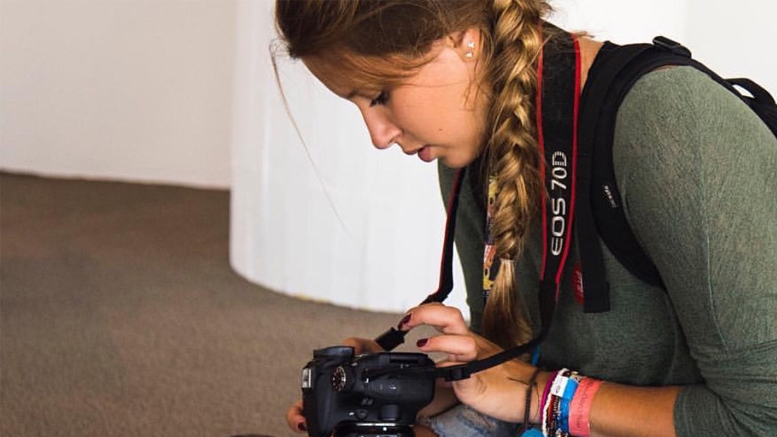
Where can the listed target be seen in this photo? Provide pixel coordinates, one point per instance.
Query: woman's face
(436, 113)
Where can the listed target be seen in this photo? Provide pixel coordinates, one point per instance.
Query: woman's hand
(500, 391)
(294, 417)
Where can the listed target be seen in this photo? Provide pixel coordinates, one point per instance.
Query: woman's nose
(383, 132)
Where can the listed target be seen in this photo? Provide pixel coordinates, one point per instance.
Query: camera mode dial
(340, 379)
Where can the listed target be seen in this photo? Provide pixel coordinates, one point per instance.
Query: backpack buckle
(672, 46)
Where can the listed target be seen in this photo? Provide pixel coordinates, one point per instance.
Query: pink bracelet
(580, 407)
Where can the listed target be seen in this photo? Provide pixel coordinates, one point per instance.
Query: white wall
(117, 89)
(623, 21)
(734, 38)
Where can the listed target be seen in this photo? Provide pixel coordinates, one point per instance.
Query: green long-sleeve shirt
(697, 171)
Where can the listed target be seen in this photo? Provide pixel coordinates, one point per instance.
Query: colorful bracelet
(552, 424)
(565, 406)
(580, 407)
(556, 403)
(564, 390)
(551, 405)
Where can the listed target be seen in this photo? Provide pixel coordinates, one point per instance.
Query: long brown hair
(384, 41)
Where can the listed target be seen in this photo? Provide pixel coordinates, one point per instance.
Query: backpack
(599, 207)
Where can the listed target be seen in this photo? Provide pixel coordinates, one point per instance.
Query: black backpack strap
(608, 64)
(600, 213)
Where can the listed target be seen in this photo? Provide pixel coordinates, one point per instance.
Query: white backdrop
(383, 251)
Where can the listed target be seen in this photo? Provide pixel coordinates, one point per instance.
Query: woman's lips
(425, 154)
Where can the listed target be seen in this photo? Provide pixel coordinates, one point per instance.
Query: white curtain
(334, 219)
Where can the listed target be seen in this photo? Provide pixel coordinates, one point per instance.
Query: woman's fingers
(459, 348)
(457, 340)
(294, 417)
(445, 319)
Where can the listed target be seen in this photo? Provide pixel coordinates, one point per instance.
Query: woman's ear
(466, 43)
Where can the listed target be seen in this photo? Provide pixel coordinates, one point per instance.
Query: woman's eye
(380, 100)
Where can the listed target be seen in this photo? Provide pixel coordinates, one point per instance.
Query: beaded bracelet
(544, 404)
(549, 404)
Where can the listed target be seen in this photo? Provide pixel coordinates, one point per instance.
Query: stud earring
(470, 53)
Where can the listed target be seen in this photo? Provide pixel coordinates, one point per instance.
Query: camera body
(364, 395)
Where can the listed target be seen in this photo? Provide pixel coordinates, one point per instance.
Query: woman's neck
(588, 50)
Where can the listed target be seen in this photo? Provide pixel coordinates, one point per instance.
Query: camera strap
(394, 337)
(558, 102)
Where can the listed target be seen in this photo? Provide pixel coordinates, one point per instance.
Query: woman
(457, 81)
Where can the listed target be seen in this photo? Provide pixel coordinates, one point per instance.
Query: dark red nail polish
(422, 342)
(301, 426)
(404, 320)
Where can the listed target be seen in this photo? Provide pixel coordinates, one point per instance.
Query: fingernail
(404, 321)
(301, 426)
(422, 342)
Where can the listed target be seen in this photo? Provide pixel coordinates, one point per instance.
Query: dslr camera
(369, 395)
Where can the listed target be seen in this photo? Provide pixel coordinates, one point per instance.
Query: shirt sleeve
(696, 169)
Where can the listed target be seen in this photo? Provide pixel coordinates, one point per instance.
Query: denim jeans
(463, 421)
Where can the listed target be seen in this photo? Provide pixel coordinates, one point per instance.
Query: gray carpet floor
(120, 316)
